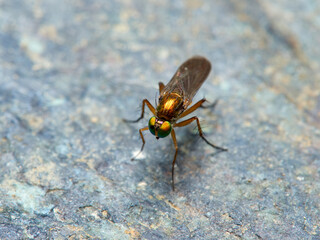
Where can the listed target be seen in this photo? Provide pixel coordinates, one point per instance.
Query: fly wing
(188, 78)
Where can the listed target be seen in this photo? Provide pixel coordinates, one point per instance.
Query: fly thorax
(170, 106)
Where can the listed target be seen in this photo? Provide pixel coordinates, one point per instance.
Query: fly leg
(213, 105)
(190, 120)
(173, 135)
(144, 102)
(196, 106)
(143, 142)
(161, 86)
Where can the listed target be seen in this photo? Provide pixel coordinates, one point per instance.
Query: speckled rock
(71, 70)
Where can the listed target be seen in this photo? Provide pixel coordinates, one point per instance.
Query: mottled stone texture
(71, 70)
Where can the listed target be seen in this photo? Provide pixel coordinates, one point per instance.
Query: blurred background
(70, 71)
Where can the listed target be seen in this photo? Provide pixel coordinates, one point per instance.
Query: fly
(174, 100)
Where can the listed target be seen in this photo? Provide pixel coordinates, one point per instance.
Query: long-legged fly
(174, 100)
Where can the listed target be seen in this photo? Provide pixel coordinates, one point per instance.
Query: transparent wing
(188, 78)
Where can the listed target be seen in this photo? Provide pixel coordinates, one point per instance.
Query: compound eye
(152, 122)
(164, 130)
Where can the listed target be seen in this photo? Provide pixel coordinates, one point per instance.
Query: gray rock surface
(71, 70)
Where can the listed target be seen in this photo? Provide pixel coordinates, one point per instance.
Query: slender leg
(190, 120)
(192, 108)
(143, 141)
(161, 86)
(173, 135)
(144, 102)
(213, 105)
(196, 106)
